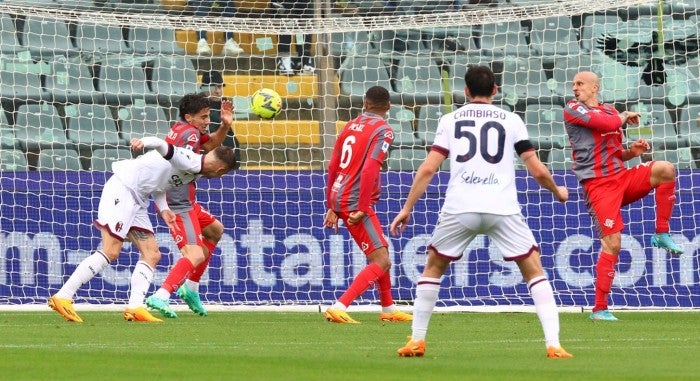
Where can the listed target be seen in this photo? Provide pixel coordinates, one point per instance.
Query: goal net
(78, 79)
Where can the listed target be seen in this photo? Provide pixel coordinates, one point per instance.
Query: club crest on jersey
(118, 227)
(193, 138)
(365, 246)
(389, 135)
(609, 223)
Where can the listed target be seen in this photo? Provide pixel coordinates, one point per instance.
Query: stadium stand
(39, 126)
(406, 159)
(47, 37)
(69, 81)
(418, 80)
(656, 125)
(102, 158)
(554, 36)
(91, 125)
(142, 119)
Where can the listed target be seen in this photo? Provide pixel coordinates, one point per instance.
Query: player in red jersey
(199, 231)
(595, 133)
(353, 189)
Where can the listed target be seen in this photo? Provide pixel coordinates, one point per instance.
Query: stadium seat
(46, 36)
(406, 159)
(173, 77)
(59, 160)
(565, 68)
(554, 36)
(92, 126)
(21, 81)
(13, 160)
(124, 83)
(428, 117)
(689, 125)
(618, 82)
(285, 133)
(102, 159)
(7, 133)
(680, 157)
(100, 38)
(8, 35)
(545, 126)
(595, 26)
(560, 159)
(504, 39)
(655, 125)
(70, 81)
(458, 65)
(359, 73)
(144, 40)
(39, 126)
(401, 121)
(418, 80)
(140, 120)
(524, 81)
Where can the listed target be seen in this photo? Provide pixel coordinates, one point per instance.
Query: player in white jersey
(122, 214)
(480, 140)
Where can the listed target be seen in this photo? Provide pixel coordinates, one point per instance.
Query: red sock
(665, 197)
(197, 273)
(177, 275)
(605, 273)
(384, 286)
(367, 277)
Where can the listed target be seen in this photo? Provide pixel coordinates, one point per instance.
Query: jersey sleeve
(186, 160)
(379, 146)
(607, 120)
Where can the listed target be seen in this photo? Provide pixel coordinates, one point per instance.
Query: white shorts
(119, 212)
(510, 233)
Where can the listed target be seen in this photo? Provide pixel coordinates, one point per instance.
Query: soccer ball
(266, 103)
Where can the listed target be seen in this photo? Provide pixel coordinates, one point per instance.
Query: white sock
(389, 309)
(426, 296)
(339, 306)
(86, 270)
(162, 293)
(141, 280)
(192, 285)
(543, 296)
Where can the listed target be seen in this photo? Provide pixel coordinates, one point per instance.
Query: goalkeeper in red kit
(352, 190)
(595, 133)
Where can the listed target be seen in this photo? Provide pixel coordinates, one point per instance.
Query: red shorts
(605, 196)
(367, 234)
(191, 224)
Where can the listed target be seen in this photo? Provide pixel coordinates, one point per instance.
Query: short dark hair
(377, 96)
(193, 103)
(480, 81)
(227, 155)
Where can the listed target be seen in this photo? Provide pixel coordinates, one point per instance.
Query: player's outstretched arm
(424, 175)
(542, 175)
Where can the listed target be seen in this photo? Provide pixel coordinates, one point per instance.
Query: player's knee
(665, 171)
(213, 232)
(151, 256)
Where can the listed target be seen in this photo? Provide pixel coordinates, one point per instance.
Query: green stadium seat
(428, 117)
(655, 125)
(359, 73)
(13, 160)
(554, 36)
(140, 120)
(47, 37)
(689, 125)
(8, 35)
(144, 40)
(173, 77)
(70, 81)
(504, 39)
(418, 80)
(39, 126)
(401, 121)
(91, 126)
(102, 159)
(545, 126)
(406, 159)
(59, 160)
(100, 38)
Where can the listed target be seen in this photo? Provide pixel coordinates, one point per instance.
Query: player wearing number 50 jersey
(352, 190)
(480, 141)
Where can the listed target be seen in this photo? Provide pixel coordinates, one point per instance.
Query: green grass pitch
(303, 346)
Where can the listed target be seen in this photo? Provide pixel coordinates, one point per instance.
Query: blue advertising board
(275, 250)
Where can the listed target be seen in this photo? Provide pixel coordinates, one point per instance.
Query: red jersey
(595, 134)
(353, 171)
(185, 135)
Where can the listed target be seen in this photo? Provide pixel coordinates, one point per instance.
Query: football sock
(384, 287)
(176, 276)
(86, 270)
(367, 277)
(339, 306)
(665, 197)
(546, 308)
(426, 296)
(141, 280)
(605, 273)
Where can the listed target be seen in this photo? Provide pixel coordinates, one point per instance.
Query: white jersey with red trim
(479, 140)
